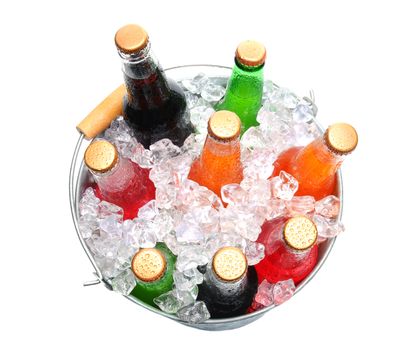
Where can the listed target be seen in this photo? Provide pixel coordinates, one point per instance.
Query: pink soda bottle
(118, 180)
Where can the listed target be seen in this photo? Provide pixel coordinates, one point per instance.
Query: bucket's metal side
(74, 200)
(78, 180)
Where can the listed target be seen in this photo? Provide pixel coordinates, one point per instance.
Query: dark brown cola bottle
(155, 106)
(229, 284)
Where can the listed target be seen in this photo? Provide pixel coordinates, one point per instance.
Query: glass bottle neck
(225, 287)
(246, 81)
(144, 77)
(214, 148)
(318, 150)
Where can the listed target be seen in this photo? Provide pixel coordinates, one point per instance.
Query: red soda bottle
(290, 249)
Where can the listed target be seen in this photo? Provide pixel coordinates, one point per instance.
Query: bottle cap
(224, 126)
(300, 233)
(131, 38)
(101, 156)
(250, 53)
(341, 138)
(148, 264)
(229, 264)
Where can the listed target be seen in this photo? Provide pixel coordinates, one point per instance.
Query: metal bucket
(80, 178)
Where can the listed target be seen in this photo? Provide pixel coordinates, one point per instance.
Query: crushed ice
(192, 220)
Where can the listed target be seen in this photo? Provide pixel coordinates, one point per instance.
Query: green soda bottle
(245, 86)
(153, 269)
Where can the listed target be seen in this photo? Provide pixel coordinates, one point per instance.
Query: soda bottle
(245, 86)
(155, 105)
(220, 160)
(290, 249)
(118, 180)
(315, 165)
(229, 284)
(153, 269)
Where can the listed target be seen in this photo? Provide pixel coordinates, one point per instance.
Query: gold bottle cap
(300, 233)
(101, 156)
(148, 264)
(250, 53)
(341, 138)
(229, 264)
(131, 38)
(224, 126)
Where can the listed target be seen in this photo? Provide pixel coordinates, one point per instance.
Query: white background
(58, 61)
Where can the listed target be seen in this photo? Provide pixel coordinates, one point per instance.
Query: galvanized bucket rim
(74, 195)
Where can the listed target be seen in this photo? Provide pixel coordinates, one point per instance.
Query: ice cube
(234, 194)
(327, 227)
(189, 232)
(168, 302)
(129, 234)
(119, 130)
(190, 257)
(106, 209)
(88, 224)
(148, 211)
(254, 252)
(199, 117)
(283, 97)
(191, 99)
(194, 274)
(276, 207)
(192, 146)
(301, 205)
(89, 203)
(195, 84)
(328, 207)
(165, 197)
(303, 112)
(162, 150)
(124, 283)
(145, 232)
(264, 295)
(212, 92)
(253, 138)
(259, 164)
(163, 223)
(284, 186)
(110, 226)
(142, 156)
(186, 297)
(195, 313)
(282, 291)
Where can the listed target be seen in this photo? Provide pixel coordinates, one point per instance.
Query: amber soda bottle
(315, 165)
(155, 106)
(118, 180)
(290, 249)
(229, 285)
(220, 160)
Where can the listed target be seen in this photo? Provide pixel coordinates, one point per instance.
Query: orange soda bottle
(220, 160)
(315, 165)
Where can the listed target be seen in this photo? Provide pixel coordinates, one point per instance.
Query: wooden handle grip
(102, 115)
